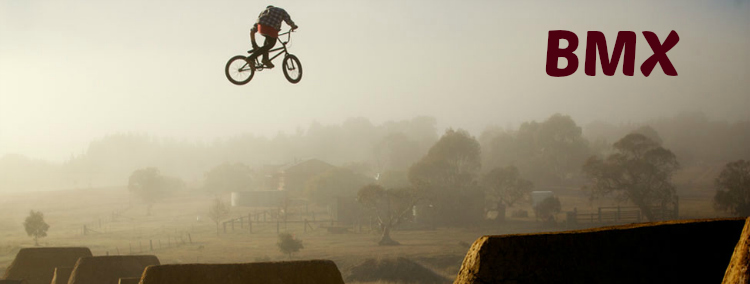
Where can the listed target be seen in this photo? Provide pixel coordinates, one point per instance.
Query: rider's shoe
(268, 63)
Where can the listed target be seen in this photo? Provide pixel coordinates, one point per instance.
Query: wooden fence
(619, 215)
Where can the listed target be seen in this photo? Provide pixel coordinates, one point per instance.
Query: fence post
(151, 244)
(118, 250)
(618, 213)
(600, 214)
(190, 239)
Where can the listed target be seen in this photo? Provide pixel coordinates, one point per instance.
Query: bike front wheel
(292, 69)
(238, 70)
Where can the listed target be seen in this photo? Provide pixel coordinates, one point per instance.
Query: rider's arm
(252, 36)
(289, 21)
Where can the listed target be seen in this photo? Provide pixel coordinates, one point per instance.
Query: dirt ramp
(286, 272)
(37, 265)
(109, 269)
(61, 275)
(694, 251)
(738, 271)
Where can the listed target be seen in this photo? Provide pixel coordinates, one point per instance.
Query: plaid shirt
(272, 17)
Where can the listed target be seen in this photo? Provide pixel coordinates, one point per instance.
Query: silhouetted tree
(547, 208)
(218, 211)
(506, 185)
(288, 244)
(733, 188)
(447, 176)
(550, 151)
(390, 206)
(639, 171)
(151, 186)
(35, 226)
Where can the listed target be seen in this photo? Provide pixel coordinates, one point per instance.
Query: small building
(294, 177)
(259, 198)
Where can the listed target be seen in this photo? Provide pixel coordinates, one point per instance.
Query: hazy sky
(73, 71)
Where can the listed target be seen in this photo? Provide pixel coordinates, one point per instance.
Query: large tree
(35, 226)
(447, 176)
(390, 207)
(733, 188)
(506, 186)
(639, 171)
(229, 177)
(551, 151)
(151, 186)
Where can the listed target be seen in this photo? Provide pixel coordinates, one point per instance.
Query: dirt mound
(399, 270)
(694, 251)
(37, 265)
(61, 275)
(109, 269)
(287, 272)
(738, 270)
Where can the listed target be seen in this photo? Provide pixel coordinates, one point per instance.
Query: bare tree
(390, 206)
(218, 211)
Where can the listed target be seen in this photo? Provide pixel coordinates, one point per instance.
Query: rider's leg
(268, 45)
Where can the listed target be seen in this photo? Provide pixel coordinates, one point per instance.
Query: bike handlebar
(286, 32)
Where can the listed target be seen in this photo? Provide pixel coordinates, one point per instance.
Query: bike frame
(282, 49)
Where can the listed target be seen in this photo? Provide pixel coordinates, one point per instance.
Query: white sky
(73, 71)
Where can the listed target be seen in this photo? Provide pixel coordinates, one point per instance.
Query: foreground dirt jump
(37, 265)
(61, 275)
(738, 270)
(286, 272)
(109, 269)
(694, 251)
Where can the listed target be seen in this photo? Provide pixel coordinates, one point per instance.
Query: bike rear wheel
(292, 69)
(238, 70)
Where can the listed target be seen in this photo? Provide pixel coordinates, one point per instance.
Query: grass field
(180, 231)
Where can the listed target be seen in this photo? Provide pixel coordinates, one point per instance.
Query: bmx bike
(239, 70)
